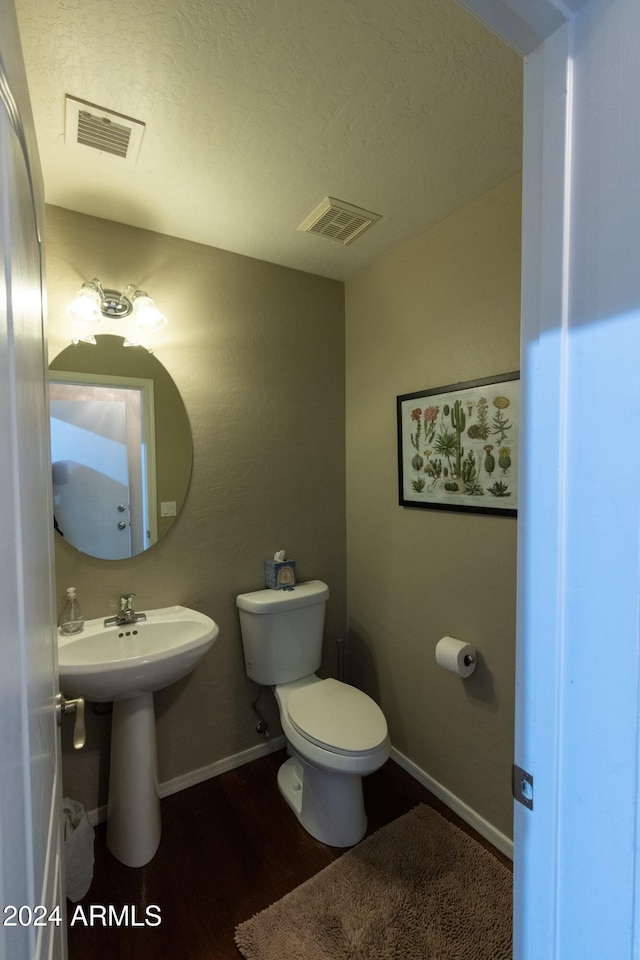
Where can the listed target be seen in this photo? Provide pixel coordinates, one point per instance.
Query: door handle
(66, 707)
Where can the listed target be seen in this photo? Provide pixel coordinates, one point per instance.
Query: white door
(104, 469)
(91, 496)
(30, 788)
(577, 869)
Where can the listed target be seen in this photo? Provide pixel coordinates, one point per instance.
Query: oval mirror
(120, 447)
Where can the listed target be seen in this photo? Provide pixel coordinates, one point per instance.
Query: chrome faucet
(126, 613)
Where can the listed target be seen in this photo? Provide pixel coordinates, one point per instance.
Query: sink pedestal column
(133, 814)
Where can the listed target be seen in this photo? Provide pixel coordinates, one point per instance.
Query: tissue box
(279, 575)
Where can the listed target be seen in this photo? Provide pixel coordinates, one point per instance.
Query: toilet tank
(282, 631)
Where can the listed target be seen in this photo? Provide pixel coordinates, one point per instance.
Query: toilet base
(330, 806)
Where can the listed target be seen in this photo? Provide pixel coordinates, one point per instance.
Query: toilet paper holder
(457, 656)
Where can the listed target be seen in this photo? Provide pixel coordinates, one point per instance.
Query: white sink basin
(127, 664)
(115, 663)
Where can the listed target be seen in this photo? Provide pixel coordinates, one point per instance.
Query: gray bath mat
(419, 889)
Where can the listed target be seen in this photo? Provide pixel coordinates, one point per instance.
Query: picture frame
(458, 446)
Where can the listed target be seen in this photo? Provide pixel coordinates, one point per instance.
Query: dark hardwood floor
(230, 847)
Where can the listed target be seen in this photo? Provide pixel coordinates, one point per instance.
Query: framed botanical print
(458, 446)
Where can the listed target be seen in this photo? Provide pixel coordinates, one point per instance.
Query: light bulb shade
(85, 307)
(146, 315)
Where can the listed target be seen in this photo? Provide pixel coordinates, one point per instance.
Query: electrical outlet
(167, 508)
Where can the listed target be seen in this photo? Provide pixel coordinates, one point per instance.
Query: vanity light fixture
(93, 302)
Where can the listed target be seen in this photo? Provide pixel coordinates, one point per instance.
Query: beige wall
(440, 310)
(257, 352)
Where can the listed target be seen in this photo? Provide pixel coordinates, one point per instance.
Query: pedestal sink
(126, 664)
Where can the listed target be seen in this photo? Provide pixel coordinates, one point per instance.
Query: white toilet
(335, 733)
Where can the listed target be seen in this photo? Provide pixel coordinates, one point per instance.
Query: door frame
(577, 731)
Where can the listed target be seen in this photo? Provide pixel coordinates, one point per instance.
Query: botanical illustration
(458, 446)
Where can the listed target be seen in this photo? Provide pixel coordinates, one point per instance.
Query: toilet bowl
(335, 733)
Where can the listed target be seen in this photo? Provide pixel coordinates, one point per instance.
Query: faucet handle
(126, 600)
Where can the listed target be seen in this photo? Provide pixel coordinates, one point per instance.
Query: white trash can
(78, 837)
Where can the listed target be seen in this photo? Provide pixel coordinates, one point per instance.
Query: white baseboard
(220, 766)
(99, 815)
(482, 826)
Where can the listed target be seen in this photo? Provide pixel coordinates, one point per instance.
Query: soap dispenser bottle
(72, 620)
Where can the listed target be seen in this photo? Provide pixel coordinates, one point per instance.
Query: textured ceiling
(256, 110)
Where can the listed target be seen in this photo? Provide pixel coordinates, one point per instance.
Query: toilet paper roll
(456, 655)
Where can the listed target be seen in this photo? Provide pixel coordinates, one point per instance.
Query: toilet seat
(337, 717)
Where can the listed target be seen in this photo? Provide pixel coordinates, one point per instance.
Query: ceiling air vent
(338, 221)
(87, 125)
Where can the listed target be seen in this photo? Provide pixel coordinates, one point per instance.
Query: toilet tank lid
(277, 601)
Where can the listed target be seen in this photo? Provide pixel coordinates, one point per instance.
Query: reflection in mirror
(121, 448)
(104, 469)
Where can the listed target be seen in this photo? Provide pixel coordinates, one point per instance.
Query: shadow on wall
(80, 766)
(479, 687)
(360, 665)
(361, 670)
